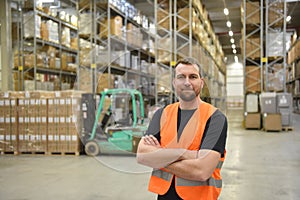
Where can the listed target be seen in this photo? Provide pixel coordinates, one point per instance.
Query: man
(185, 142)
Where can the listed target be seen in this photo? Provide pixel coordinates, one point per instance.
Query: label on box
(68, 119)
(21, 120)
(68, 138)
(26, 102)
(32, 119)
(62, 137)
(26, 119)
(13, 102)
(56, 119)
(1, 103)
(62, 101)
(62, 120)
(13, 119)
(74, 137)
(44, 119)
(2, 137)
(21, 137)
(7, 102)
(44, 137)
(7, 137)
(26, 137)
(32, 101)
(56, 138)
(68, 101)
(50, 137)
(50, 119)
(44, 102)
(27, 94)
(38, 120)
(7, 120)
(50, 101)
(1, 119)
(13, 137)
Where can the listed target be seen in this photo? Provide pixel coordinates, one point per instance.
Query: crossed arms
(188, 164)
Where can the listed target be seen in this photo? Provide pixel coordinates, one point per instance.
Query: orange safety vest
(190, 139)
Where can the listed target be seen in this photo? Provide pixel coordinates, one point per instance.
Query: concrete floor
(259, 166)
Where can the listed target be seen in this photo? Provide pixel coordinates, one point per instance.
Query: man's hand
(151, 140)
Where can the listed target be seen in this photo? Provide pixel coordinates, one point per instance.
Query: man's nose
(187, 81)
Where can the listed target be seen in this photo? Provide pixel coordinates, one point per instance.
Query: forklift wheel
(92, 148)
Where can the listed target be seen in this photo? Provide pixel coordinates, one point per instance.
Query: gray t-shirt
(215, 133)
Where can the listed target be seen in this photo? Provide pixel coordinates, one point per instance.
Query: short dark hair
(189, 61)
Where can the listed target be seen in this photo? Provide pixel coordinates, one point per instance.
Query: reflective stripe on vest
(184, 182)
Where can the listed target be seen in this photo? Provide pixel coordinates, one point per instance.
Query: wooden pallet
(9, 153)
(63, 153)
(287, 128)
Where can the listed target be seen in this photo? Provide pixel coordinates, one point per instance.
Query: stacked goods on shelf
(50, 45)
(294, 72)
(40, 122)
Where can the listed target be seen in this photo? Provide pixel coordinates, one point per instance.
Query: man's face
(187, 82)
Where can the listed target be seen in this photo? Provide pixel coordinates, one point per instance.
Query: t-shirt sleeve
(215, 133)
(154, 125)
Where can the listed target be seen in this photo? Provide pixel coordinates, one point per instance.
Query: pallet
(9, 153)
(63, 153)
(31, 153)
(287, 128)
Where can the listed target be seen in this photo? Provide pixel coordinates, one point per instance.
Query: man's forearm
(160, 157)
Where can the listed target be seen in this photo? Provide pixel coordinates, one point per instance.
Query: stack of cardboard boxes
(269, 110)
(40, 122)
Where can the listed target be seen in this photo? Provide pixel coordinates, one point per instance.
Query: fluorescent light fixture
(226, 11)
(288, 18)
(228, 23)
(230, 33)
(232, 40)
(234, 51)
(233, 46)
(47, 1)
(236, 59)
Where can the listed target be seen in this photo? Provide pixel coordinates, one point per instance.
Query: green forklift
(113, 122)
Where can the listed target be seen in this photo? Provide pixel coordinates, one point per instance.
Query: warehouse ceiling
(218, 18)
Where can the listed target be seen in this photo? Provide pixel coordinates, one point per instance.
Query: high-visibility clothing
(190, 139)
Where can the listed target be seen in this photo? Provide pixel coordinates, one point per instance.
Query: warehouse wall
(235, 85)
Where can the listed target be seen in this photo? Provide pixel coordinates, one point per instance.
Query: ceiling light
(226, 11)
(234, 51)
(232, 40)
(288, 18)
(233, 46)
(230, 33)
(236, 59)
(228, 23)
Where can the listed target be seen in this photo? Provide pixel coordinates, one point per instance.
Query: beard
(188, 95)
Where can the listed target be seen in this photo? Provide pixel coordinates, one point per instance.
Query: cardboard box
(253, 82)
(272, 122)
(252, 12)
(253, 121)
(116, 25)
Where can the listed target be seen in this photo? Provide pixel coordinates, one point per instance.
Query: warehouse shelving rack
(103, 41)
(275, 15)
(32, 43)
